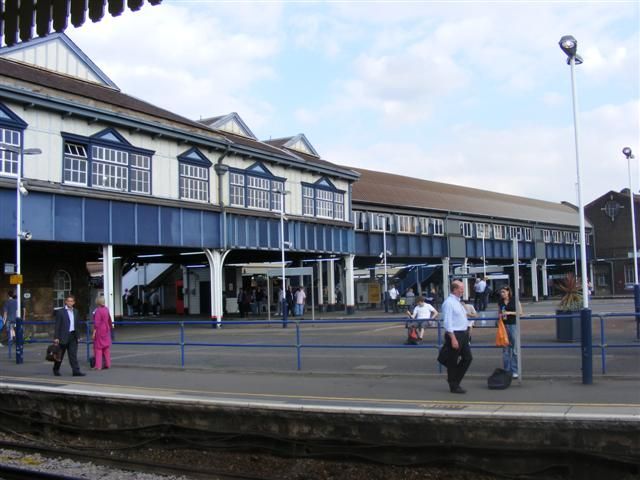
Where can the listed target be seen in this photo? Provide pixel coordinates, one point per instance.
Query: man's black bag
(54, 352)
(500, 379)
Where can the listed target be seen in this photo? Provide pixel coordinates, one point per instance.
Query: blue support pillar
(587, 346)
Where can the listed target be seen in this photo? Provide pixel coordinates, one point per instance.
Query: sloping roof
(223, 122)
(73, 87)
(292, 144)
(387, 189)
(20, 52)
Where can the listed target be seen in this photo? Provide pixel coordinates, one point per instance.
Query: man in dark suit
(67, 322)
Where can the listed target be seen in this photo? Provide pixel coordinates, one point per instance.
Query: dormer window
(11, 127)
(255, 187)
(106, 161)
(194, 175)
(322, 199)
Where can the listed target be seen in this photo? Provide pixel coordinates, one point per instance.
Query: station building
(126, 184)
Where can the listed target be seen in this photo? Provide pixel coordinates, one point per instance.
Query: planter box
(568, 328)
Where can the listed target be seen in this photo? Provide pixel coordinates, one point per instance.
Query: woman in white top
(422, 312)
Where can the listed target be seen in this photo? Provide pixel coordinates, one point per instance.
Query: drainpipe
(221, 169)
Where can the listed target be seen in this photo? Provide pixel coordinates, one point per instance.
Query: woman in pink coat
(101, 335)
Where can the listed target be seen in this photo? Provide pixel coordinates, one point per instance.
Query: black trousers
(460, 359)
(72, 348)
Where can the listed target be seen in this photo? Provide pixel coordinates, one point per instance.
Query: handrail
(299, 345)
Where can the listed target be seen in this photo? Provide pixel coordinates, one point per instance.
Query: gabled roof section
(195, 157)
(58, 53)
(8, 118)
(231, 123)
(298, 143)
(390, 190)
(112, 136)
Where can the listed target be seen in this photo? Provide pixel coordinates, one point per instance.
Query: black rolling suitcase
(500, 379)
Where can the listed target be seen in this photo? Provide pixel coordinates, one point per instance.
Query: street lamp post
(636, 287)
(20, 234)
(569, 45)
(283, 292)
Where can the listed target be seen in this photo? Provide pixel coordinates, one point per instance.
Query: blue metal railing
(183, 344)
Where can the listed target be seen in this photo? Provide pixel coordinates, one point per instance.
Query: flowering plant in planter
(571, 300)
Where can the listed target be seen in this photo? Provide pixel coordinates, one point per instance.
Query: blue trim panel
(62, 218)
(264, 234)
(498, 249)
(369, 244)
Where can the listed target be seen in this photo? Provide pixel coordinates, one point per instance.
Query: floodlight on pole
(20, 234)
(569, 45)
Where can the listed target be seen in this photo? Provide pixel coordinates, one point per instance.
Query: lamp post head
(627, 153)
(569, 45)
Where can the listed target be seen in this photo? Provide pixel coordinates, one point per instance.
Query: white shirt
(72, 320)
(423, 311)
(393, 293)
(480, 287)
(300, 296)
(454, 316)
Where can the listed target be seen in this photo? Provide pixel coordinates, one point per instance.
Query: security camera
(26, 236)
(23, 189)
(288, 244)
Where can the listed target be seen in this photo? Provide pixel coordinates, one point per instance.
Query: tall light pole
(283, 292)
(20, 234)
(636, 287)
(569, 45)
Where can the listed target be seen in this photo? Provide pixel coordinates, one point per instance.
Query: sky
(474, 93)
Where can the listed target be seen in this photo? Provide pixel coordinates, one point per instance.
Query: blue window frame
(322, 199)
(194, 175)
(256, 187)
(11, 130)
(108, 161)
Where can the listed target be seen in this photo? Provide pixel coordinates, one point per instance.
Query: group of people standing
(149, 304)
(457, 319)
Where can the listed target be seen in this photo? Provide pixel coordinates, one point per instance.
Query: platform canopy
(17, 17)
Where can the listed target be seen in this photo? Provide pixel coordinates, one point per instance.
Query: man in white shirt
(479, 288)
(456, 325)
(423, 312)
(393, 298)
(300, 300)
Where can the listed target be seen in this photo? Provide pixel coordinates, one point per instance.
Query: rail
(299, 345)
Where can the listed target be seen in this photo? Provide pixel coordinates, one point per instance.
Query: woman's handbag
(54, 353)
(502, 339)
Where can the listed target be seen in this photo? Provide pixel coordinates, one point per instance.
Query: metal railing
(299, 345)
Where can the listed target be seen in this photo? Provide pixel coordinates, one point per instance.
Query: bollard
(586, 346)
(285, 312)
(19, 341)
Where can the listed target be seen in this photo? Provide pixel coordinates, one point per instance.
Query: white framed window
(236, 191)
(602, 279)
(555, 234)
(61, 288)
(109, 176)
(568, 237)
(380, 222)
(483, 230)
(338, 211)
(576, 237)
(515, 232)
(75, 164)
(9, 160)
(276, 198)
(629, 275)
(258, 192)
(140, 173)
(527, 234)
(546, 236)
(436, 227)
(466, 229)
(308, 201)
(360, 220)
(194, 182)
(500, 232)
(406, 224)
(324, 203)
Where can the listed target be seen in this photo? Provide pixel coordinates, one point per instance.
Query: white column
(545, 285)
(331, 281)
(349, 284)
(117, 289)
(445, 277)
(534, 279)
(465, 269)
(320, 285)
(107, 276)
(216, 258)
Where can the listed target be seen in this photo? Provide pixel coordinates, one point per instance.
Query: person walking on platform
(456, 325)
(67, 321)
(394, 295)
(101, 334)
(9, 312)
(301, 298)
(507, 312)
